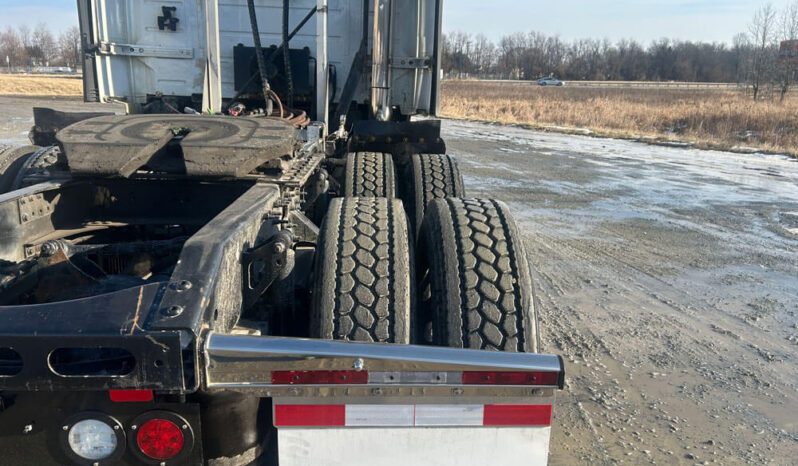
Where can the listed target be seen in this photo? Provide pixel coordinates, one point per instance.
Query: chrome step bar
(254, 363)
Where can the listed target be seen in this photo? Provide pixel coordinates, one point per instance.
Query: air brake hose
(253, 23)
(287, 55)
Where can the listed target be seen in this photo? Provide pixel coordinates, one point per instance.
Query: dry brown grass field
(708, 118)
(41, 84)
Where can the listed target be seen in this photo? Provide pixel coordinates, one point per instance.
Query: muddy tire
(363, 276)
(370, 174)
(475, 286)
(433, 176)
(12, 159)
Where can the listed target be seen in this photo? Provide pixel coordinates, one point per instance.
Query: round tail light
(92, 439)
(160, 439)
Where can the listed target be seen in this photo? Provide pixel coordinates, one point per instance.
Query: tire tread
(435, 176)
(482, 289)
(370, 174)
(362, 289)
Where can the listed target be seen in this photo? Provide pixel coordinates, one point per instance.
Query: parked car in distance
(550, 82)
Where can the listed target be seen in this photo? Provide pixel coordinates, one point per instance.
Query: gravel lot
(667, 278)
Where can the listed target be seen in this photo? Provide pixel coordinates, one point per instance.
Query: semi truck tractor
(261, 253)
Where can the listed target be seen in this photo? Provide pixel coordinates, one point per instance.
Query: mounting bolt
(279, 247)
(457, 391)
(358, 364)
(65, 427)
(27, 429)
(184, 285)
(134, 427)
(537, 391)
(49, 248)
(173, 311)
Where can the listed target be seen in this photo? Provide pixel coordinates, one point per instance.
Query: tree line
(752, 57)
(22, 48)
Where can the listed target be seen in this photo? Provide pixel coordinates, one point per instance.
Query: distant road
(631, 84)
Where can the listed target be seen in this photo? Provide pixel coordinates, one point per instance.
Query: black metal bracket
(265, 264)
(415, 137)
(167, 21)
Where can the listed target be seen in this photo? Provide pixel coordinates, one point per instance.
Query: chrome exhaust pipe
(381, 61)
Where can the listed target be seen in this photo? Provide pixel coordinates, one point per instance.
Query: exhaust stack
(381, 59)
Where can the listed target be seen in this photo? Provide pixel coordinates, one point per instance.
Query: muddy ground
(667, 278)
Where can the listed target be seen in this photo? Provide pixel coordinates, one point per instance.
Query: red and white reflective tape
(352, 377)
(410, 415)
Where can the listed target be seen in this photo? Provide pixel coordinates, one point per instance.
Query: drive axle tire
(364, 273)
(370, 174)
(12, 160)
(434, 176)
(475, 286)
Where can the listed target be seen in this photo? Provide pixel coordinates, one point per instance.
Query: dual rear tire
(364, 273)
(453, 273)
(432, 176)
(474, 284)
(370, 174)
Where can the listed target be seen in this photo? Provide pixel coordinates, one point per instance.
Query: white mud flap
(440, 446)
(423, 434)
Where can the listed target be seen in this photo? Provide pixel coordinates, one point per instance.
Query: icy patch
(565, 129)
(746, 149)
(640, 165)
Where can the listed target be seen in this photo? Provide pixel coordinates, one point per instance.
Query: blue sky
(644, 20)
(59, 14)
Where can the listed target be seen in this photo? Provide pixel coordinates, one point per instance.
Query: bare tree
(24, 34)
(11, 46)
(69, 47)
(44, 45)
(459, 44)
(482, 55)
(532, 55)
(762, 31)
(788, 31)
(23, 30)
(512, 49)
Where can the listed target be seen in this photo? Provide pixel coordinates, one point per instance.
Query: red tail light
(160, 439)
